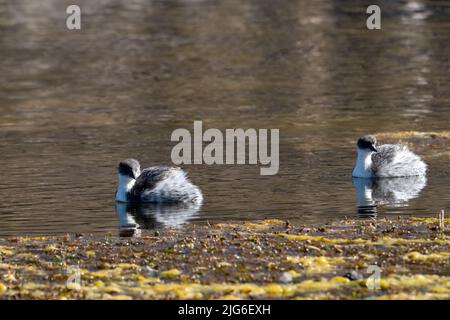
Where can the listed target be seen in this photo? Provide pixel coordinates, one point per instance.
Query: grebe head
(367, 144)
(128, 170)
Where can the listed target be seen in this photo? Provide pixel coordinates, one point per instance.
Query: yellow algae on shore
(414, 296)
(2, 288)
(432, 283)
(428, 144)
(319, 264)
(380, 241)
(259, 259)
(170, 273)
(414, 134)
(429, 220)
(436, 256)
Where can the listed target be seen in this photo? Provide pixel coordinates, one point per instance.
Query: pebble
(151, 272)
(286, 277)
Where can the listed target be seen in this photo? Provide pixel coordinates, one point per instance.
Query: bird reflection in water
(389, 192)
(135, 217)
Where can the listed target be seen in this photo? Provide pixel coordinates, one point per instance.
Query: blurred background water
(73, 103)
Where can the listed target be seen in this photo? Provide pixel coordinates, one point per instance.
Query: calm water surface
(73, 103)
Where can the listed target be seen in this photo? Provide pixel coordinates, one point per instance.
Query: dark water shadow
(135, 217)
(389, 192)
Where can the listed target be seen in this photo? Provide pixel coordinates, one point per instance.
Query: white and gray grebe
(155, 184)
(388, 160)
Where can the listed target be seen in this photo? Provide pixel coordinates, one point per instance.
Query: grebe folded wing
(396, 160)
(150, 177)
(385, 155)
(165, 184)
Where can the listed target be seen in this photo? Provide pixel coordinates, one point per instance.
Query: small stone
(286, 277)
(313, 248)
(151, 272)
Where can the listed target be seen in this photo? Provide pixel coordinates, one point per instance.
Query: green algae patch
(258, 259)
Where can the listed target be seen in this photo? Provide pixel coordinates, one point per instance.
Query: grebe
(155, 184)
(388, 160)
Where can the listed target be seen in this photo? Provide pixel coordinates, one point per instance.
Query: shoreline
(405, 258)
